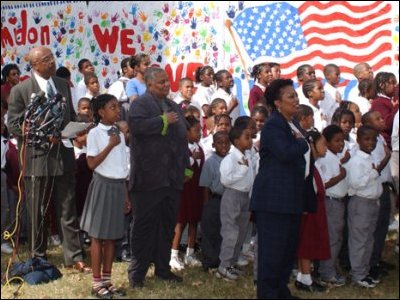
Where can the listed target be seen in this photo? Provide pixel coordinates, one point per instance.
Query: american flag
(340, 32)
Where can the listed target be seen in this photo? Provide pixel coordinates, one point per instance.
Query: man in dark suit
(158, 162)
(47, 174)
(277, 197)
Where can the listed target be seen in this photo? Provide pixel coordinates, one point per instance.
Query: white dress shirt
(319, 121)
(221, 93)
(117, 89)
(80, 90)
(362, 103)
(379, 154)
(330, 102)
(329, 167)
(235, 174)
(43, 83)
(114, 165)
(395, 132)
(362, 178)
(202, 96)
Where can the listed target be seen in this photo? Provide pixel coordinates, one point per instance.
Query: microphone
(37, 99)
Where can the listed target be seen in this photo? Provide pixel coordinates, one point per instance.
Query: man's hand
(172, 117)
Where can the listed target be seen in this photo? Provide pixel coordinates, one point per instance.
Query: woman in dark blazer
(277, 197)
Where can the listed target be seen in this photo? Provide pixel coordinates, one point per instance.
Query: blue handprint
(133, 11)
(193, 23)
(70, 50)
(62, 28)
(28, 67)
(17, 60)
(36, 17)
(106, 60)
(151, 28)
(156, 35)
(107, 83)
(159, 58)
(231, 11)
(241, 5)
(59, 52)
(72, 23)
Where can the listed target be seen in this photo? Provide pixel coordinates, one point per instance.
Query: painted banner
(182, 35)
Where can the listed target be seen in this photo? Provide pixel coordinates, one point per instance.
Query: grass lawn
(197, 284)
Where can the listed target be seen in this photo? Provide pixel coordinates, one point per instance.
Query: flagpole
(228, 25)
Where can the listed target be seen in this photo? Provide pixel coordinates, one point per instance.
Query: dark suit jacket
(156, 161)
(279, 184)
(60, 159)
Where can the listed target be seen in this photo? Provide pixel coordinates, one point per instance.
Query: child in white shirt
(237, 176)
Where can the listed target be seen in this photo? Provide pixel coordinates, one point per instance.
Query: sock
(306, 279)
(174, 253)
(106, 278)
(299, 276)
(97, 283)
(189, 251)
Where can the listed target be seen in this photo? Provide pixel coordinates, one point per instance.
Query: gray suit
(50, 176)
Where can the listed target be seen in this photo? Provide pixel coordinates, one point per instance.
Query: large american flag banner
(317, 33)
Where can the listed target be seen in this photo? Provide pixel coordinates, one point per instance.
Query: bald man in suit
(47, 174)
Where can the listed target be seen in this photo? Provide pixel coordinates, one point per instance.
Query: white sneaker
(6, 248)
(394, 225)
(176, 263)
(55, 240)
(227, 273)
(192, 261)
(242, 261)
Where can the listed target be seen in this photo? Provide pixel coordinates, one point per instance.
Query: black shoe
(314, 287)
(136, 284)
(378, 271)
(171, 277)
(387, 266)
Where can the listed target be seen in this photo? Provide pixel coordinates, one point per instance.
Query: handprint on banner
(36, 17)
(142, 16)
(79, 42)
(107, 83)
(165, 8)
(104, 71)
(105, 59)
(59, 52)
(114, 18)
(70, 50)
(72, 23)
(193, 23)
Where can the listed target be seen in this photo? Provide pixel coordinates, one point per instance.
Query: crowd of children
(351, 180)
